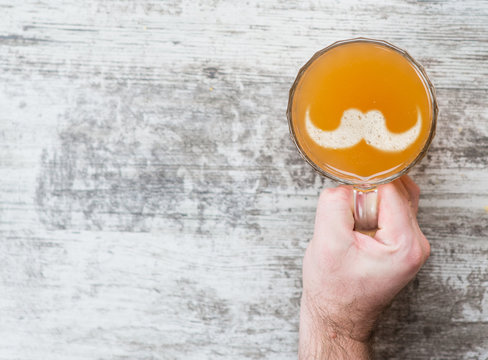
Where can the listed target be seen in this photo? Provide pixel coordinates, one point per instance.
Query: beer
(361, 111)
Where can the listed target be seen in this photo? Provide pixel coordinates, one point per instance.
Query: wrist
(323, 338)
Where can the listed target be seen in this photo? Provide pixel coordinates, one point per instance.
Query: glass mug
(362, 112)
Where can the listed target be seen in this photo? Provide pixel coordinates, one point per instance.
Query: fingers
(397, 221)
(398, 228)
(413, 192)
(394, 217)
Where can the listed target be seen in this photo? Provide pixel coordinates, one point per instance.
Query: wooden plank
(152, 205)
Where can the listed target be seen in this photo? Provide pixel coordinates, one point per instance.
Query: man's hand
(349, 277)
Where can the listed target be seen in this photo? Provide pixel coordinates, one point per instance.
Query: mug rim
(425, 79)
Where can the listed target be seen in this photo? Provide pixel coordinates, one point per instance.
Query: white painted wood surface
(152, 205)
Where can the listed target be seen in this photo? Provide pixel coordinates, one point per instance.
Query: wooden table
(152, 205)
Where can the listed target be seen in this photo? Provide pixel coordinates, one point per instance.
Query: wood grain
(152, 205)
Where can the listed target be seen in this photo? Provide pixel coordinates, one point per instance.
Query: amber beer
(361, 111)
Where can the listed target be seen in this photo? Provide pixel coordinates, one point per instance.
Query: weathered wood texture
(152, 205)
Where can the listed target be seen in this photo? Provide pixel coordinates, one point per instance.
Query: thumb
(334, 219)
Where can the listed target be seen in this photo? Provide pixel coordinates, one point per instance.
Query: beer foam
(349, 132)
(355, 126)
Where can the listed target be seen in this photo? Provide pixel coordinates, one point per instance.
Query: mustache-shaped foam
(356, 126)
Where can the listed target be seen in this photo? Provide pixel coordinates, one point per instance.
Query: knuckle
(414, 255)
(427, 247)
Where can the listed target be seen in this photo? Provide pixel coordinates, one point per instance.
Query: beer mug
(362, 112)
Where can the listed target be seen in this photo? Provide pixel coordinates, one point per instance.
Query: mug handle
(366, 210)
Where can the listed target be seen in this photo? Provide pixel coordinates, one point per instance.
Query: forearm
(321, 340)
